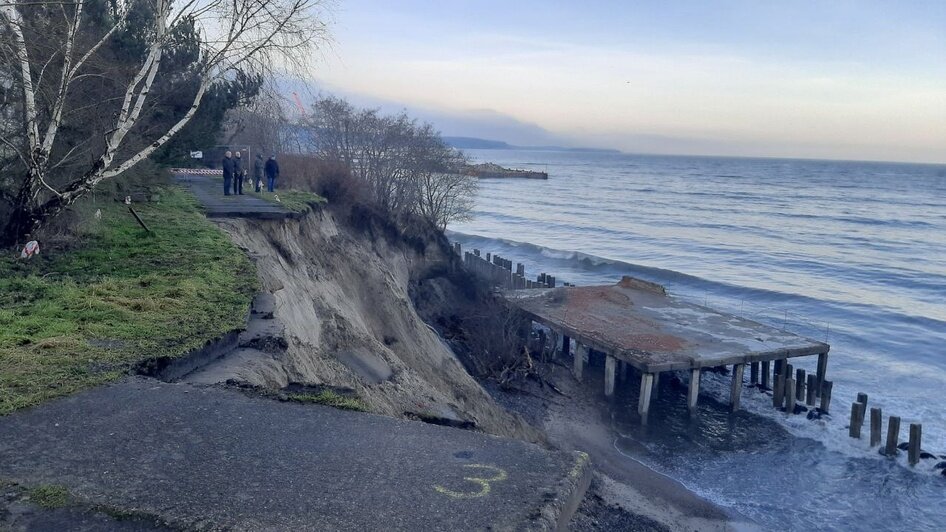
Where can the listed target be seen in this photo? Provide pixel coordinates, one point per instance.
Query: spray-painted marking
(483, 483)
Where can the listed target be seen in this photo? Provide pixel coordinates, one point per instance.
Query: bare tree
(50, 50)
(406, 165)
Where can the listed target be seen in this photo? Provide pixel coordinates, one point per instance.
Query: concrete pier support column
(643, 403)
(754, 373)
(610, 370)
(656, 389)
(579, 360)
(566, 345)
(694, 391)
(624, 371)
(736, 390)
(766, 374)
(822, 371)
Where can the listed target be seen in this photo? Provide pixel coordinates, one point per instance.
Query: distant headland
(473, 143)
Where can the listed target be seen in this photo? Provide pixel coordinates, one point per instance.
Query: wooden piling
(783, 372)
(754, 373)
(778, 392)
(766, 373)
(822, 371)
(916, 433)
(566, 345)
(694, 391)
(799, 385)
(862, 398)
(876, 419)
(810, 390)
(893, 436)
(790, 396)
(610, 367)
(643, 403)
(736, 389)
(826, 396)
(854, 429)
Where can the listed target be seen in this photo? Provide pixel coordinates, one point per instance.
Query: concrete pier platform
(211, 458)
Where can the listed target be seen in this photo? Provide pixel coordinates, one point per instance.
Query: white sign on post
(197, 155)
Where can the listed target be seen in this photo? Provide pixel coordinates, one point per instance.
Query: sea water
(853, 253)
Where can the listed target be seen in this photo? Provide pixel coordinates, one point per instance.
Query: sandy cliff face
(343, 294)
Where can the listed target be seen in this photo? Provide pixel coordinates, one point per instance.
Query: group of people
(234, 174)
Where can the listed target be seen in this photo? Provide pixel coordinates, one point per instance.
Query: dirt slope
(342, 291)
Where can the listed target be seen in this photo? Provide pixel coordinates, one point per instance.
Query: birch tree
(52, 49)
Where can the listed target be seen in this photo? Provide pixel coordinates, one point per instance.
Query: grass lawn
(80, 318)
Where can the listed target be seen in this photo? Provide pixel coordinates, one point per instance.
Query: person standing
(227, 172)
(272, 172)
(258, 168)
(238, 174)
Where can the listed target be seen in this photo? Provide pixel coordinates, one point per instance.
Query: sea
(852, 253)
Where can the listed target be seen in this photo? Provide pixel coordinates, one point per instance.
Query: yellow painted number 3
(496, 475)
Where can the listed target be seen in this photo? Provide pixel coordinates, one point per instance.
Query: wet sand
(581, 422)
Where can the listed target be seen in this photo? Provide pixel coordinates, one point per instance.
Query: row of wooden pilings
(499, 272)
(892, 445)
(792, 389)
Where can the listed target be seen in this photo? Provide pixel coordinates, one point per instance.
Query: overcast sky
(831, 79)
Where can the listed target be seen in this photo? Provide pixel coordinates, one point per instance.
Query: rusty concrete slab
(639, 323)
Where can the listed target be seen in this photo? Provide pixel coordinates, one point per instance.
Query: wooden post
(643, 403)
(783, 372)
(579, 360)
(822, 371)
(854, 429)
(826, 396)
(766, 373)
(790, 396)
(876, 419)
(862, 398)
(778, 392)
(610, 364)
(916, 432)
(800, 384)
(736, 389)
(893, 436)
(810, 396)
(754, 373)
(694, 391)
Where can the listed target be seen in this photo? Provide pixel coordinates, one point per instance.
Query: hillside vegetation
(77, 318)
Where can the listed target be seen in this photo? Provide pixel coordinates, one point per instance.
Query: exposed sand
(581, 422)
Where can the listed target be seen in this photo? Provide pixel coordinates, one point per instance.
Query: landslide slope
(341, 281)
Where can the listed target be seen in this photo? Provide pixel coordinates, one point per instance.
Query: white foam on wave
(831, 431)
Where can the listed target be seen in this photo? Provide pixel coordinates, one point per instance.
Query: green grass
(49, 496)
(330, 398)
(76, 319)
(292, 200)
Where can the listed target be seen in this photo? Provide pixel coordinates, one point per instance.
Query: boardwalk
(635, 324)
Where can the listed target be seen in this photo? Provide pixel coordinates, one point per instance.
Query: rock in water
(941, 465)
(926, 456)
(904, 446)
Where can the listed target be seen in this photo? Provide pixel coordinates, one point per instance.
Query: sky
(831, 79)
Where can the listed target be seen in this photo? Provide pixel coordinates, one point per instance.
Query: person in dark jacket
(258, 168)
(238, 175)
(227, 172)
(272, 172)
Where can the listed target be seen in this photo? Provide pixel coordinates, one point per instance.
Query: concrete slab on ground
(209, 191)
(210, 457)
